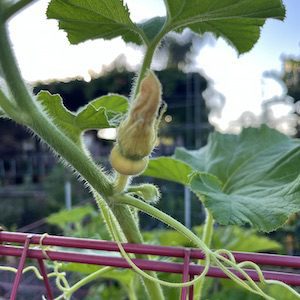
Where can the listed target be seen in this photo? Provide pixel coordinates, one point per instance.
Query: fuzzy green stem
(13, 9)
(121, 182)
(163, 217)
(150, 50)
(208, 228)
(42, 125)
(10, 109)
(206, 238)
(11, 72)
(145, 66)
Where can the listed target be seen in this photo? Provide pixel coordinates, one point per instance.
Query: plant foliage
(251, 178)
(104, 112)
(238, 21)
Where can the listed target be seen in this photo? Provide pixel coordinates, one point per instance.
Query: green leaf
(237, 239)
(254, 178)
(75, 215)
(238, 21)
(194, 158)
(234, 238)
(280, 292)
(123, 276)
(170, 169)
(93, 19)
(150, 29)
(104, 112)
(166, 237)
(251, 178)
(230, 290)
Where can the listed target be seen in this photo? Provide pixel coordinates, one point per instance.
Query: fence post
(20, 268)
(186, 273)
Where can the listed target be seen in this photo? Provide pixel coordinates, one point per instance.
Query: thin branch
(17, 7)
(10, 109)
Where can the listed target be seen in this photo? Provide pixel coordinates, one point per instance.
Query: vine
(137, 131)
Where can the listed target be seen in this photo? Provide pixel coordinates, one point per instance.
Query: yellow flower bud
(127, 166)
(137, 134)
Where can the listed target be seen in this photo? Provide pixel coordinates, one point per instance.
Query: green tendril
(144, 274)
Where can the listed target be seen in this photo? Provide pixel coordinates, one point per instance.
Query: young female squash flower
(136, 136)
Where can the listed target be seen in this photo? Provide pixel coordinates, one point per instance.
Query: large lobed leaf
(103, 112)
(170, 169)
(92, 19)
(238, 21)
(252, 178)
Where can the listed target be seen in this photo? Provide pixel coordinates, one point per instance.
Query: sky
(44, 53)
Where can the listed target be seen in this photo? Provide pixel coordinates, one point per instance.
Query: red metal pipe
(46, 279)
(149, 265)
(191, 289)
(185, 276)
(17, 280)
(258, 258)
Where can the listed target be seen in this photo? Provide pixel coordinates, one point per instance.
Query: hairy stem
(121, 182)
(208, 228)
(10, 109)
(145, 66)
(11, 72)
(10, 11)
(150, 50)
(163, 217)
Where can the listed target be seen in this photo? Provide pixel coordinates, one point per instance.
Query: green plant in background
(251, 178)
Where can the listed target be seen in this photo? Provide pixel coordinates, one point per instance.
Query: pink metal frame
(186, 268)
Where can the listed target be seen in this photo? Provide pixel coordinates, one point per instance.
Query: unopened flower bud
(148, 192)
(127, 166)
(137, 134)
